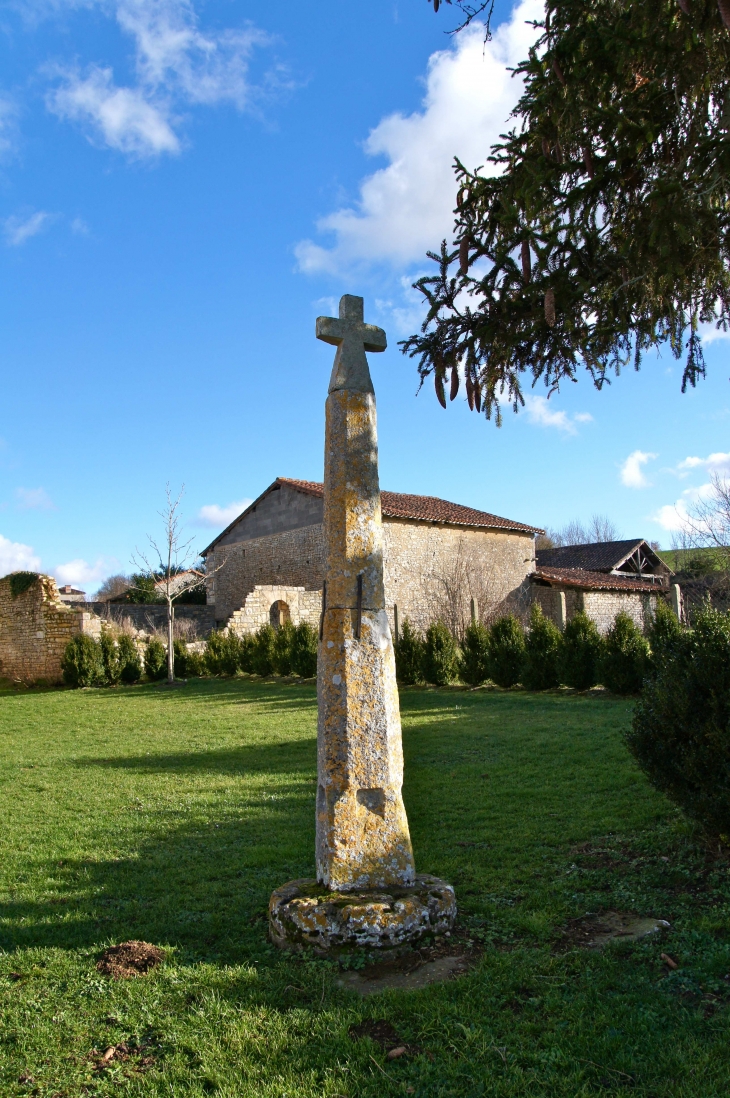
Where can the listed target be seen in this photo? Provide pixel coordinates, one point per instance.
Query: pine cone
(588, 161)
(477, 396)
(454, 382)
(550, 307)
(724, 9)
(469, 391)
(438, 380)
(464, 255)
(436, 5)
(526, 261)
(546, 151)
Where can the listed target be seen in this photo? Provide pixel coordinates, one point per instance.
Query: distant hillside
(697, 561)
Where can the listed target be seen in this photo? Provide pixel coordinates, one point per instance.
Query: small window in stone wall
(279, 613)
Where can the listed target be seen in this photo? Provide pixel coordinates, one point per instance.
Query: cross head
(352, 338)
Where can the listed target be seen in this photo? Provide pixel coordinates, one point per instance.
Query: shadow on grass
(288, 757)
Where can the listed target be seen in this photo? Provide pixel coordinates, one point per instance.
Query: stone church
(441, 560)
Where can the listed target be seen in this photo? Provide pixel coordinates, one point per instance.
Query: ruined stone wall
(601, 606)
(256, 610)
(492, 566)
(35, 627)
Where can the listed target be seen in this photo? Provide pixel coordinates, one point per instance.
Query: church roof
(398, 505)
(591, 581)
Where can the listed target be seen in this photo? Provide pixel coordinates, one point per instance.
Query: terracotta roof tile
(426, 509)
(593, 581)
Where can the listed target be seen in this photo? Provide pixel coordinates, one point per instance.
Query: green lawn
(171, 816)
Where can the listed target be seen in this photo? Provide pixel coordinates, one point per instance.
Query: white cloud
(79, 572)
(212, 514)
(16, 557)
(632, 473)
(406, 207)
(673, 516)
(19, 229)
(79, 226)
(541, 412)
(718, 463)
(34, 499)
(176, 64)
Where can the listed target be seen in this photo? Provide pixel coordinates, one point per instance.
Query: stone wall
(256, 611)
(601, 606)
(153, 616)
(425, 566)
(35, 627)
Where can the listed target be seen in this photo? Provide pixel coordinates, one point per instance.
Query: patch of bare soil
(443, 959)
(594, 931)
(129, 959)
(121, 1053)
(383, 1034)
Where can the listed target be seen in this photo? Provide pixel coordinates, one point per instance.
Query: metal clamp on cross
(352, 338)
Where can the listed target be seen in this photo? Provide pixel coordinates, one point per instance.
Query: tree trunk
(170, 649)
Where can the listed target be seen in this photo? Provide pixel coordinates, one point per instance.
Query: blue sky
(184, 187)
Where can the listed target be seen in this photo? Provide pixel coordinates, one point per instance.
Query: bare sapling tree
(174, 574)
(707, 525)
(464, 577)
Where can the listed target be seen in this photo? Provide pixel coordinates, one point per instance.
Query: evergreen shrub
(506, 651)
(440, 655)
(304, 650)
(542, 652)
(580, 656)
(409, 653)
(663, 634)
(129, 661)
(680, 733)
(21, 581)
(262, 652)
(195, 664)
(222, 653)
(110, 658)
(155, 660)
(474, 663)
(181, 658)
(82, 663)
(625, 659)
(281, 651)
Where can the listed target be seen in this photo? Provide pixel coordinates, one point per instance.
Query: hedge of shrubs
(116, 659)
(539, 657)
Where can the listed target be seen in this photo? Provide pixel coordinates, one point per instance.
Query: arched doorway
(279, 613)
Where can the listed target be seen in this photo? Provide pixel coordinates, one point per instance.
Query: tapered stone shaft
(362, 829)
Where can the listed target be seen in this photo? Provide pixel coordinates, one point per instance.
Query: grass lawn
(171, 816)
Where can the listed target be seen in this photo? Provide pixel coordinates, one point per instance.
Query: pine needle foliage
(580, 655)
(474, 663)
(506, 651)
(542, 652)
(600, 221)
(681, 727)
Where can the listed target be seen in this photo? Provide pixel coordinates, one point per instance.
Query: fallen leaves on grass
(129, 959)
(121, 1053)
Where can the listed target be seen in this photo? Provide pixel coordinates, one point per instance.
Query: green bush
(440, 655)
(82, 663)
(474, 663)
(409, 653)
(506, 651)
(21, 581)
(223, 654)
(129, 661)
(196, 664)
(262, 652)
(181, 657)
(580, 656)
(663, 634)
(304, 650)
(110, 659)
(542, 652)
(281, 651)
(625, 659)
(680, 734)
(155, 660)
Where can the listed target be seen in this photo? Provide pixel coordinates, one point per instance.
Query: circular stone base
(304, 914)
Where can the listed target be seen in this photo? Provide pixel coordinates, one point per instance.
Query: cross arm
(330, 330)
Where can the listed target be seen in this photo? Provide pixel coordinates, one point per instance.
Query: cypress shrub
(129, 661)
(262, 652)
(82, 663)
(663, 634)
(180, 656)
(580, 655)
(680, 733)
(222, 654)
(155, 660)
(409, 653)
(625, 659)
(110, 659)
(246, 645)
(506, 651)
(281, 650)
(542, 652)
(304, 650)
(196, 664)
(474, 663)
(440, 655)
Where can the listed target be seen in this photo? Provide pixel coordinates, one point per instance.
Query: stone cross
(362, 831)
